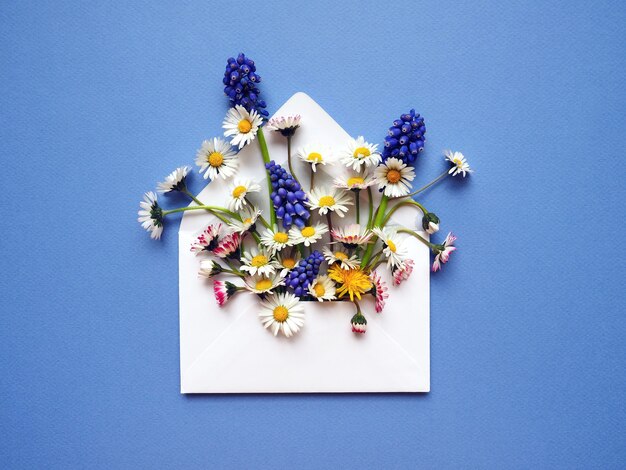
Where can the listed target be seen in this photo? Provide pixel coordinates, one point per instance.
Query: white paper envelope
(227, 350)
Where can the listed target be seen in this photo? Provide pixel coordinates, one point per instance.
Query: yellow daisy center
(458, 162)
(315, 157)
(391, 245)
(281, 313)
(289, 263)
(281, 237)
(247, 221)
(263, 284)
(361, 152)
(340, 255)
(393, 176)
(216, 159)
(258, 261)
(307, 232)
(319, 290)
(327, 201)
(244, 126)
(238, 191)
(355, 180)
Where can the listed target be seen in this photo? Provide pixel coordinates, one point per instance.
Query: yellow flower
(350, 281)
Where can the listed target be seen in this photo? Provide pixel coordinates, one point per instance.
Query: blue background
(101, 101)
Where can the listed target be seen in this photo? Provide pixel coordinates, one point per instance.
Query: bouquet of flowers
(304, 248)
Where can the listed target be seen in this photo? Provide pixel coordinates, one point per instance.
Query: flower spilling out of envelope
(317, 225)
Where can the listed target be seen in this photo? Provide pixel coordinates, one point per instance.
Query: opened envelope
(227, 350)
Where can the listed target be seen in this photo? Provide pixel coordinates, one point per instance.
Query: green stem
(419, 237)
(357, 204)
(266, 159)
(193, 198)
(312, 177)
(409, 202)
(212, 209)
(377, 221)
(234, 273)
(293, 173)
(370, 214)
(424, 188)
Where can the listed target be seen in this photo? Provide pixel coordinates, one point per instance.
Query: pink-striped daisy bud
(359, 323)
(224, 290)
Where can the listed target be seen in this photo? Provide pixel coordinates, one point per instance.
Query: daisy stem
(256, 237)
(266, 159)
(261, 218)
(408, 202)
(419, 237)
(301, 250)
(234, 273)
(380, 215)
(424, 188)
(293, 174)
(312, 177)
(190, 194)
(234, 269)
(357, 205)
(212, 209)
(375, 257)
(370, 214)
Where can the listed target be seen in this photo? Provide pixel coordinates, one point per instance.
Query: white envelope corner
(227, 350)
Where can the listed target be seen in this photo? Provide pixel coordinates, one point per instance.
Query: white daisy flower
(282, 312)
(322, 288)
(217, 158)
(358, 152)
(209, 268)
(258, 261)
(329, 199)
(315, 154)
(286, 125)
(259, 284)
(351, 235)
(459, 163)
(354, 180)
(341, 256)
(241, 126)
(175, 181)
(308, 235)
(151, 215)
(443, 252)
(249, 216)
(239, 190)
(276, 240)
(287, 262)
(393, 247)
(394, 177)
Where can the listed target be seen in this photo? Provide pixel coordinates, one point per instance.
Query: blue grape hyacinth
(241, 82)
(405, 139)
(288, 197)
(304, 274)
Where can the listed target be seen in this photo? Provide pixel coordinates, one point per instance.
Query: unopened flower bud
(430, 223)
(359, 323)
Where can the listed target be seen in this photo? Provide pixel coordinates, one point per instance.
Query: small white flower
(286, 125)
(249, 216)
(239, 190)
(393, 247)
(322, 288)
(329, 199)
(315, 154)
(282, 312)
(276, 240)
(258, 261)
(394, 177)
(151, 215)
(459, 163)
(209, 268)
(259, 284)
(341, 256)
(358, 152)
(287, 262)
(241, 126)
(175, 181)
(217, 158)
(351, 235)
(354, 180)
(308, 235)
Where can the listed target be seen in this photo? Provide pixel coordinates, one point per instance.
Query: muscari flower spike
(288, 197)
(405, 139)
(241, 82)
(304, 274)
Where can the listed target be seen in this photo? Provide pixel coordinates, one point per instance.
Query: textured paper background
(100, 101)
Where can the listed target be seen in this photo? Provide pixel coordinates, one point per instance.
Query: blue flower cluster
(304, 274)
(241, 82)
(405, 139)
(287, 197)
